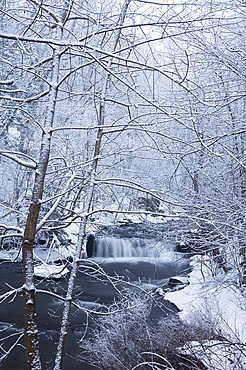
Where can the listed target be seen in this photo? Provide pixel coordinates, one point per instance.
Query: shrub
(125, 338)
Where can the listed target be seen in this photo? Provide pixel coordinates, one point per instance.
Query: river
(91, 292)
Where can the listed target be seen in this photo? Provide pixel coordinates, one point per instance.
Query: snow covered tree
(93, 94)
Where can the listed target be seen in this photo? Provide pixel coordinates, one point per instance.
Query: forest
(117, 115)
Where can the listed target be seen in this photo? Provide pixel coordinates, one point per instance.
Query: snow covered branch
(12, 228)
(12, 155)
(7, 82)
(6, 353)
(45, 218)
(9, 293)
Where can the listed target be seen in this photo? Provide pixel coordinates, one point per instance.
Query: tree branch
(12, 156)
(45, 218)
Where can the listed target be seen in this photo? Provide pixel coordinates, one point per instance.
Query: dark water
(91, 292)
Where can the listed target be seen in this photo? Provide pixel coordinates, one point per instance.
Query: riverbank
(217, 301)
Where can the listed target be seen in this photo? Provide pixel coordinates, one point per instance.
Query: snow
(40, 254)
(14, 133)
(45, 270)
(30, 164)
(73, 231)
(14, 255)
(220, 303)
(214, 296)
(62, 253)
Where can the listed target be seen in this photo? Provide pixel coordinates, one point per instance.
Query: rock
(183, 247)
(90, 245)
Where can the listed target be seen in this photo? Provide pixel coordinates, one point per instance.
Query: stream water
(147, 264)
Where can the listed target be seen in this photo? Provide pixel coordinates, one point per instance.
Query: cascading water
(116, 247)
(135, 257)
(113, 247)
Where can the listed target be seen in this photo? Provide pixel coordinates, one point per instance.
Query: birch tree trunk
(90, 193)
(30, 326)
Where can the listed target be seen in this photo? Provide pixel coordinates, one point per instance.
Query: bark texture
(33, 361)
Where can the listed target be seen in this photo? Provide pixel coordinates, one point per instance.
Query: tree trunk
(33, 360)
(90, 194)
(77, 257)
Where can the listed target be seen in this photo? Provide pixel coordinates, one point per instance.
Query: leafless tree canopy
(106, 106)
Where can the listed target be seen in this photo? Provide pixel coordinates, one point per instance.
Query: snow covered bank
(218, 303)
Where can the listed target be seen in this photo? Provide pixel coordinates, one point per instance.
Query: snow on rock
(13, 255)
(73, 230)
(62, 253)
(50, 271)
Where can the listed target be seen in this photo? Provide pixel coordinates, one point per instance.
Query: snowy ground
(214, 300)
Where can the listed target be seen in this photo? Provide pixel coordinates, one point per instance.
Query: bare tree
(107, 92)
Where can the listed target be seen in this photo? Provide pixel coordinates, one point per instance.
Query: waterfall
(113, 247)
(116, 247)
